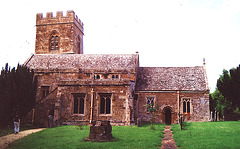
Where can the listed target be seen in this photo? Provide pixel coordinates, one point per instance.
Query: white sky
(165, 32)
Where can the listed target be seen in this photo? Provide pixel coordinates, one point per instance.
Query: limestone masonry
(76, 87)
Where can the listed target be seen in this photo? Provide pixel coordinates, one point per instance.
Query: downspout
(91, 108)
(178, 98)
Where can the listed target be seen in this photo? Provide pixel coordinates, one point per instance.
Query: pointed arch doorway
(167, 115)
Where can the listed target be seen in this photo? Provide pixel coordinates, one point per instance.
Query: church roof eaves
(83, 61)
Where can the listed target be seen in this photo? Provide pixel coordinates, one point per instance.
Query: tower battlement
(59, 34)
(59, 19)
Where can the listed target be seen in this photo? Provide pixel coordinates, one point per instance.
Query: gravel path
(8, 139)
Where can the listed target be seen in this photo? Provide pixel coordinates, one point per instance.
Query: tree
(17, 92)
(229, 86)
(152, 109)
(219, 103)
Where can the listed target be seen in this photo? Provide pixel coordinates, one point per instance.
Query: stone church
(78, 87)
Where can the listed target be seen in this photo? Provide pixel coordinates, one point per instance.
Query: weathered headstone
(101, 131)
(139, 122)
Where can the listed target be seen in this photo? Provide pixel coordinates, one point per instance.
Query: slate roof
(171, 78)
(82, 61)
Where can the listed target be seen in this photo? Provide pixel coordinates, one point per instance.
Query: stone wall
(119, 103)
(68, 28)
(63, 84)
(169, 99)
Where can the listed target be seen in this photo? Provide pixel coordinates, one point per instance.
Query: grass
(72, 137)
(208, 135)
(9, 130)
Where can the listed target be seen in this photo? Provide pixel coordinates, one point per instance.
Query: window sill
(105, 114)
(75, 114)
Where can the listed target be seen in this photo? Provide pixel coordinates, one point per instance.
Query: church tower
(60, 34)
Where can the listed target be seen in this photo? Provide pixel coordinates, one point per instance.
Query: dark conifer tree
(17, 92)
(229, 85)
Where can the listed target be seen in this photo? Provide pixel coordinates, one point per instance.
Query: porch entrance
(168, 115)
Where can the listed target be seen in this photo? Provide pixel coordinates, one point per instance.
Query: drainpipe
(91, 115)
(178, 97)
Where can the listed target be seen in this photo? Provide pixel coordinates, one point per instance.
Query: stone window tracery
(186, 105)
(54, 42)
(79, 101)
(150, 101)
(105, 103)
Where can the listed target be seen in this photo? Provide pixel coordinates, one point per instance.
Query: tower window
(54, 43)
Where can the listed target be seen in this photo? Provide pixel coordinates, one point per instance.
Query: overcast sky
(164, 32)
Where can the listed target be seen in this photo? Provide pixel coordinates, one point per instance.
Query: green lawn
(212, 135)
(72, 137)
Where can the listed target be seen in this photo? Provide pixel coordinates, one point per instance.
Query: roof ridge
(171, 67)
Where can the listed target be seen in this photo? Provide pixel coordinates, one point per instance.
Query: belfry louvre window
(54, 43)
(186, 105)
(79, 103)
(105, 103)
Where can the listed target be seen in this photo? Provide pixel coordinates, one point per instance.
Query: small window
(98, 76)
(150, 101)
(44, 91)
(79, 104)
(186, 105)
(105, 103)
(115, 76)
(54, 43)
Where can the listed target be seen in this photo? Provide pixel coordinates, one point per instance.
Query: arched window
(186, 105)
(54, 39)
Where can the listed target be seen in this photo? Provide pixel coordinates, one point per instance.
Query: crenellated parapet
(59, 19)
(59, 34)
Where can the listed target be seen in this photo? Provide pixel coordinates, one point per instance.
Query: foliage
(72, 137)
(229, 86)
(208, 135)
(219, 103)
(17, 92)
(152, 109)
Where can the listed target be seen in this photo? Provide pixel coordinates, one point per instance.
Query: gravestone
(139, 122)
(100, 131)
